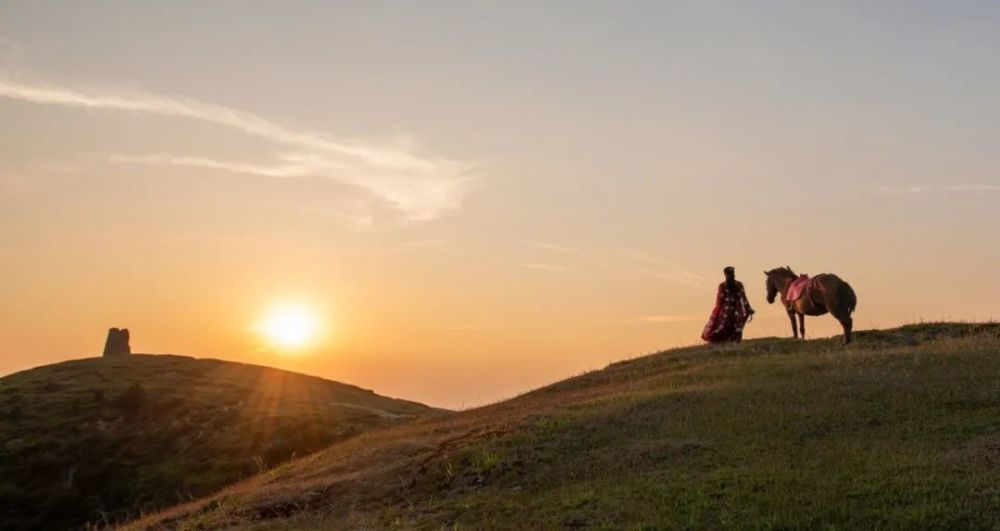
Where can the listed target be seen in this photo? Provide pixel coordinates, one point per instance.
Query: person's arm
(746, 302)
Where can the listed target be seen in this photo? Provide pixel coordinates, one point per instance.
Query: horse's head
(772, 290)
(776, 280)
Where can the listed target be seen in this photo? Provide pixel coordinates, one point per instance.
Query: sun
(290, 326)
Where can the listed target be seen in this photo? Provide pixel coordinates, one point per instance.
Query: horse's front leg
(791, 317)
(802, 325)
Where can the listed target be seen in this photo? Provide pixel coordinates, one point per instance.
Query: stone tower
(117, 343)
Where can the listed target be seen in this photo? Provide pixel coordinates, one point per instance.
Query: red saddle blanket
(797, 288)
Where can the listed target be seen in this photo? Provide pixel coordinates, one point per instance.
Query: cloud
(535, 325)
(668, 271)
(542, 267)
(664, 269)
(552, 247)
(357, 220)
(670, 318)
(972, 188)
(281, 170)
(56, 167)
(907, 190)
(894, 190)
(427, 242)
(680, 276)
(422, 187)
(469, 328)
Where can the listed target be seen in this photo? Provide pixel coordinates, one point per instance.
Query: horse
(825, 293)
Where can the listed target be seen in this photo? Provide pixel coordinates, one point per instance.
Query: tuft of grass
(488, 461)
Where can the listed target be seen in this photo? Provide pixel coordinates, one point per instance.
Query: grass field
(100, 440)
(899, 431)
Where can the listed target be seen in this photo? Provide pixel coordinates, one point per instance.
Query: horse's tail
(850, 298)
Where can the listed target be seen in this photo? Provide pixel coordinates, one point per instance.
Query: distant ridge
(102, 439)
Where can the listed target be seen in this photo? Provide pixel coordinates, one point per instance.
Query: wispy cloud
(665, 270)
(670, 318)
(264, 170)
(357, 220)
(423, 187)
(548, 246)
(900, 190)
(469, 328)
(679, 276)
(56, 167)
(973, 188)
(427, 242)
(908, 190)
(535, 325)
(542, 267)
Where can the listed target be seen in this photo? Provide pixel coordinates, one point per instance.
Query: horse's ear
(765, 273)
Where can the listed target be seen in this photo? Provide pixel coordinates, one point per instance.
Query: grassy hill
(899, 430)
(102, 439)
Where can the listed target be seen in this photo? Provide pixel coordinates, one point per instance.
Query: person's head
(730, 273)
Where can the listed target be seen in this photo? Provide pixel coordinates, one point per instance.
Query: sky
(478, 198)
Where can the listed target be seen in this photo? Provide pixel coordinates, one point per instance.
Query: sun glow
(290, 326)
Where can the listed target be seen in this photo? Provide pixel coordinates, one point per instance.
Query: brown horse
(825, 293)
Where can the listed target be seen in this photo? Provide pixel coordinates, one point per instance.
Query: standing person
(731, 313)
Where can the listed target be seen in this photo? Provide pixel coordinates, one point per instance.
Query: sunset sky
(473, 199)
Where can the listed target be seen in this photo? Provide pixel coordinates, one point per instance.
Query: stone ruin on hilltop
(117, 343)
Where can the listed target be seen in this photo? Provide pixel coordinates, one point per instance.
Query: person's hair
(730, 272)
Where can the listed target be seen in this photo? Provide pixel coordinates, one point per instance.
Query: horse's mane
(785, 269)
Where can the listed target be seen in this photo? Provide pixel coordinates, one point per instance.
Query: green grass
(899, 431)
(101, 440)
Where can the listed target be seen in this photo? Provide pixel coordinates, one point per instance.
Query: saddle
(797, 288)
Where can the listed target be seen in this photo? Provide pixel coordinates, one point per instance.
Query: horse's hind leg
(848, 324)
(802, 325)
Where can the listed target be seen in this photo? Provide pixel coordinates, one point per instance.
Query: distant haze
(482, 197)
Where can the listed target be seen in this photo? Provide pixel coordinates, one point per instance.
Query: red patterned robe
(732, 309)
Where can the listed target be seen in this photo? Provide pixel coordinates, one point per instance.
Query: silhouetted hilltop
(102, 439)
(899, 430)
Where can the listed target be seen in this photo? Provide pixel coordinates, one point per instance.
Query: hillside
(899, 430)
(103, 439)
